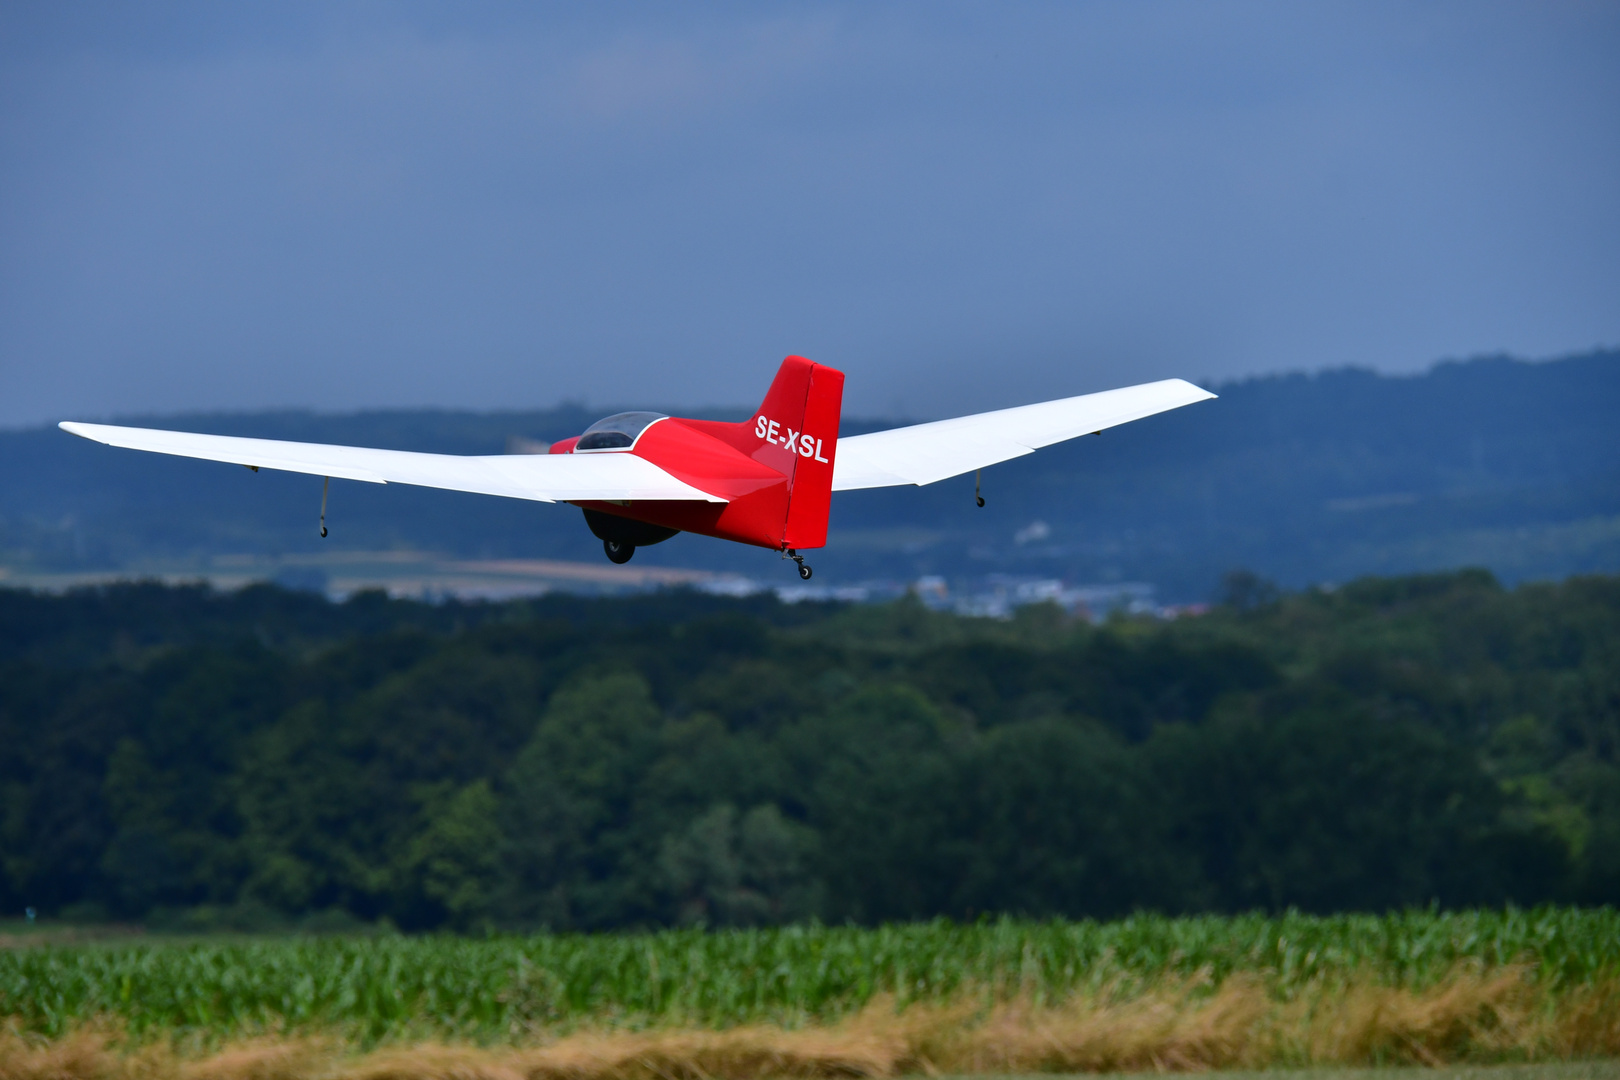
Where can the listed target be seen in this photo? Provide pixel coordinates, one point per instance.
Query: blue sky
(963, 206)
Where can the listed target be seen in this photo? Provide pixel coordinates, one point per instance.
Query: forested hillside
(1498, 463)
(176, 754)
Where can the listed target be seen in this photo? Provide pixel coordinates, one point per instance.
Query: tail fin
(797, 426)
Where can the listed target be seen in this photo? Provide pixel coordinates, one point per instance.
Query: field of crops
(501, 989)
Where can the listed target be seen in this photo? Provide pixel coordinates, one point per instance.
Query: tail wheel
(618, 551)
(804, 572)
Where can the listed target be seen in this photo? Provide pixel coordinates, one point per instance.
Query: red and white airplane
(642, 477)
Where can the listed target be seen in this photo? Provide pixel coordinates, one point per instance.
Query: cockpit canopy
(617, 431)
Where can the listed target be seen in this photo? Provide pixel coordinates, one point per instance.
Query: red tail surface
(779, 493)
(796, 429)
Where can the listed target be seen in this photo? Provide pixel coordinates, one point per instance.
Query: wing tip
(1203, 395)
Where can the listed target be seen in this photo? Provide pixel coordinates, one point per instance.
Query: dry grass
(1475, 1016)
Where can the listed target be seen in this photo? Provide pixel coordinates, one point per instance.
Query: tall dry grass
(1475, 1015)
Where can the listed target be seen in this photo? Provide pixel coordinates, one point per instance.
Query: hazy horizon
(607, 405)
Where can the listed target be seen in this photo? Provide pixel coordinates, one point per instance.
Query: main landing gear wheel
(618, 551)
(804, 572)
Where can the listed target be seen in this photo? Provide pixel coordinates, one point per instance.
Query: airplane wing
(924, 453)
(540, 477)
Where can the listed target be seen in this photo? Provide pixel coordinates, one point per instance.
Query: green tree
(455, 857)
(577, 855)
(747, 870)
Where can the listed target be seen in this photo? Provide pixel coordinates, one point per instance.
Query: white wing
(541, 477)
(925, 453)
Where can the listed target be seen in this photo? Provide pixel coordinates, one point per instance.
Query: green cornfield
(497, 988)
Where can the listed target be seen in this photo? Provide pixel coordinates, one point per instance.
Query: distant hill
(1500, 463)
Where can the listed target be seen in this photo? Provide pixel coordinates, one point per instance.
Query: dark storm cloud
(367, 205)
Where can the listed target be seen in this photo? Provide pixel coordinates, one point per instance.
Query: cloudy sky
(963, 206)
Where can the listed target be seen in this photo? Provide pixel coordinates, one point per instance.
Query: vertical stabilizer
(797, 432)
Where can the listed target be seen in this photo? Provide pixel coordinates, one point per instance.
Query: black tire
(618, 551)
(804, 572)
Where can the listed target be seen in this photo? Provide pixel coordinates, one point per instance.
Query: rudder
(798, 422)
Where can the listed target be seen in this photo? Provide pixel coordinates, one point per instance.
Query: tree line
(176, 753)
